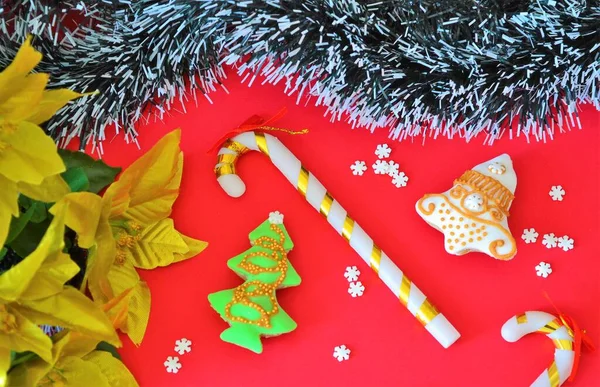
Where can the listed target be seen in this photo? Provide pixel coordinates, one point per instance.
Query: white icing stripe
(560, 333)
(542, 381)
(315, 192)
(415, 299)
(247, 139)
(336, 217)
(284, 160)
(361, 243)
(390, 274)
(564, 361)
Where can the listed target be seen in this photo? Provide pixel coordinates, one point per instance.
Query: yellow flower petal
(195, 247)
(50, 190)
(72, 371)
(31, 157)
(122, 276)
(146, 190)
(73, 310)
(101, 258)
(113, 369)
(156, 245)
(4, 365)
(25, 61)
(22, 103)
(52, 101)
(8, 206)
(83, 214)
(17, 280)
(24, 335)
(130, 311)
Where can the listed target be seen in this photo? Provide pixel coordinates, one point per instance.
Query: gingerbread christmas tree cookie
(251, 309)
(473, 214)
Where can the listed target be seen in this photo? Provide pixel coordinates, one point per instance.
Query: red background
(389, 347)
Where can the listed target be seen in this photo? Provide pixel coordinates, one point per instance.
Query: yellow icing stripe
(235, 146)
(426, 313)
(375, 258)
(303, 181)
(347, 228)
(225, 169)
(553, 375)
(404, 290)
(522, 318)
(227, 158)
(550, 327)
(563, 344)
(261, 141)
(326, 204)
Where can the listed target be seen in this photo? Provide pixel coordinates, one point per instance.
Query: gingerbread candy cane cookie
(560, 333)
(315, 193)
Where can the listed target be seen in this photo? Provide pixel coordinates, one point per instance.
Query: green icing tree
(252, 309)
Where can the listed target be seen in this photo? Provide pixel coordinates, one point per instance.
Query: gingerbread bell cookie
(473, 213)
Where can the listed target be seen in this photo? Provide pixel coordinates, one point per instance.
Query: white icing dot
(474, 202)
(497, 168)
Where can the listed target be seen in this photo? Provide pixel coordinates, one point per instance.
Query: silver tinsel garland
(419, 67)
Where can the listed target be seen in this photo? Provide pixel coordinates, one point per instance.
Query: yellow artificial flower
(33, 293)
(130, 228)
(29, 161)
(75, 362)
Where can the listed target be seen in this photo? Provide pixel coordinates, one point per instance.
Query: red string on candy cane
(258, 124)
(580, 336)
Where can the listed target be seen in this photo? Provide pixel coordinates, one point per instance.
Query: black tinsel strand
(445, 67)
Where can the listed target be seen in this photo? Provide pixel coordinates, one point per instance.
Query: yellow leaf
(51, 189)
(130, 311)
(52, 101)
(8, 206)
(73, 310)
(146, 190)
(72, 371)
(156, 245)
(24, 335)
(83, 215)
(195, 247)
(113, 369)
(25, 61)
(17, 280)
(31, 156)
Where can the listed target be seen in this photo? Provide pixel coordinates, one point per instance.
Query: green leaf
(17, 358)
(3, 252)
(26, 242)
(40, 210)
(76, 179)
(18, 224)
(106, 347)
(98, 173)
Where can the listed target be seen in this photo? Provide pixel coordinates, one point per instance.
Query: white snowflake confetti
(400, 180)
(380, 167)
(358, 168)
(352, 273)
(341, 353)
(530, 235)
(275, 217)
(172, 364)
(182, 346)
(549, 240)
(393, 168)
(383, 151)
(543, 269)
(356, 289)
(557, 192)
(566, 243)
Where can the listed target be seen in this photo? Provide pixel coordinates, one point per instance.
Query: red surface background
(389, 347)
